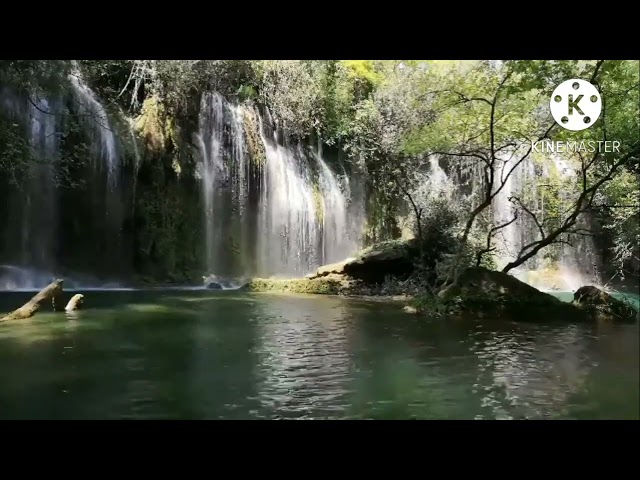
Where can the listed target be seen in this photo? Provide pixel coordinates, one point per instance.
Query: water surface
(236, 355)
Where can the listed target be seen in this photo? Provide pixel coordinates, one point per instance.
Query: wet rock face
(603, 306)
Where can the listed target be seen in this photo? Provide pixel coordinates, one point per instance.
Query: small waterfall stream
(576, 264)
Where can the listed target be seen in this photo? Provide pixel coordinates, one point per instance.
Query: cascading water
(337, 241)
(104, 182)
(503, 213)
(289, 212)
(284, 214)
(224, 172)
(577, 263)
(38, 241)
(32, 204)
(95, 119)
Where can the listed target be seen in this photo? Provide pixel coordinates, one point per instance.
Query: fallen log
(52, 292)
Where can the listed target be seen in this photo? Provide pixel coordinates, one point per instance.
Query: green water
(232, 355)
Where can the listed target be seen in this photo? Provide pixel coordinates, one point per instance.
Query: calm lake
(180, 354)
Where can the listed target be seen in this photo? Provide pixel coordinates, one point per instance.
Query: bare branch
(531, 214)
(584, 201)
(490, 236)
(595, 72)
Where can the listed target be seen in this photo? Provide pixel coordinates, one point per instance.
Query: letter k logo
(574, 104)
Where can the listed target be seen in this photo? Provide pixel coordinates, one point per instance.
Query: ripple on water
(258, 356)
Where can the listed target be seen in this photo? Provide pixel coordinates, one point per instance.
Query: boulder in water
(482, 292)
(602, 306)
(212, 282)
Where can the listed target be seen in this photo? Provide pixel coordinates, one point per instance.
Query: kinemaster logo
(576, 105)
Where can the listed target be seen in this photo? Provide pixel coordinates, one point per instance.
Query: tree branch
(490, 235)
(531, 214)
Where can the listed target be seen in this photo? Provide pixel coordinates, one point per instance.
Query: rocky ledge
(478, 292)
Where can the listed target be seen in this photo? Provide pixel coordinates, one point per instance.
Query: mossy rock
(600, 305)
(323, 286)
(483, 293)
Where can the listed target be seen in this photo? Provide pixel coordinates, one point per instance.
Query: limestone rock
(332, 268)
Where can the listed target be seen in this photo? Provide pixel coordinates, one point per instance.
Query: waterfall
(503, 212)
(136, 165)
(209, 139)
(39, 218)
(96, 122)
(576, 264)
(579, 263)
(337, 240)
(108, 193)
(290, 209)
(33, 203)
(284, 214)
(39, 239)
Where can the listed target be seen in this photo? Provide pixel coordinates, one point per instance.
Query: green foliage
(15, 152)
(167, 229)
(34, 77)
(292, 94)
(429, 304)
(386, 116)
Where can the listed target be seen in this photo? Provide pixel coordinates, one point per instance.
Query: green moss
(168, 228)
(257, 153)
(247, 92)
(320, 286)
(150, 124)
(318, 202)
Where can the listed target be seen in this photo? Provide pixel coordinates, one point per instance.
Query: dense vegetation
(386, 118)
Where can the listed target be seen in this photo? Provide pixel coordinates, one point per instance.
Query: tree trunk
(52, 292)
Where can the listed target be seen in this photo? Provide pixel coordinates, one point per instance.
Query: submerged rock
(602, 306)
(482, 292)
(214, 286)
(410, 309)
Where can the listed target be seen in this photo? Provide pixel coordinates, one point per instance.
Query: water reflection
(161, 355)
(529, 373)
(303, 357)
